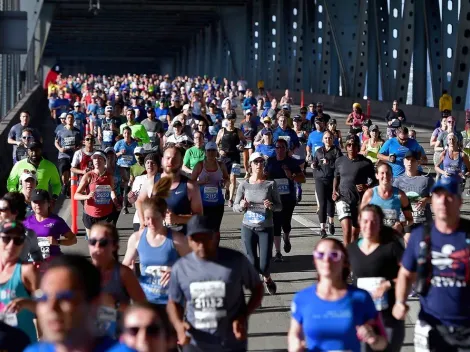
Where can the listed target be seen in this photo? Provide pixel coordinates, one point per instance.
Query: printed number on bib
(9, 319)
(390, 216)
(255, 214)
(421, 337)
(282, 185)
(102, 194)
(107, 321)
(286, 138)
(418, 215)
(208, 299)
(236, 169)
(108, 136)
(45, 246)
(69, 142)
(211, 194)
(127, 159)
(370, 284)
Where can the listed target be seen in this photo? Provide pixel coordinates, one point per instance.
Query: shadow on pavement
(295, 263)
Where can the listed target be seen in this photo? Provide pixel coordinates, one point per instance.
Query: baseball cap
(12, 226)
(247, 111)
(108, 108)
(231, 116)
(266, 131)
(367, 123)
(139, 150)
(109, 149)
(186, 107)
(40, 195)
(374, 128)
(256, 155)
(27, 174)
(297, 118)
(97, 154)
(211, 146)
(411, 154)
(63, 115)
(76, 103)
(449, 184)
(199, 224)
(332, 122)
(35, 145)
(175, 98)
(286, 107)
(177, 123)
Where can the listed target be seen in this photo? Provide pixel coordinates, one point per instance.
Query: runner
(52, 231)
(355, 119)
(108, 130)
(179, 136)
(22, 149)
(139, 167)
(285, 132)
(15, 136)
(338, 137)
(371, 147)
(28, 182)
(212, 177)
(300, 154)
(395, 118)
(194, 154)
(315, 138)
(82, 158)
(312, 327)
(285, 171)
(436, 260)
(118, 283)
(155, 130)
(138, 131)
(323, 165)
(267, 123)
(112, 169)
(96, 188)
(249, 130)
(452, 161)
(211, 281)
(375, 261)
(266, 147)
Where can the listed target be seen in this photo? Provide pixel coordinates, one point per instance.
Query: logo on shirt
(50, 225)
(453, 265)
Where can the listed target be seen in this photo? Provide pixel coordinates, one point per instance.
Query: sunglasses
(17, 240)
(151, 330)
(89, 139)
(26, 137)
(334, 255)
(102, 242)
(258, 161)
(2, 210)
(41, 296)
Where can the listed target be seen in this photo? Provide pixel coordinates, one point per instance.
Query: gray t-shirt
(416, 188)
(153, 127)
(69, 139)
(17, 130)
(213, 291)
(257, 216)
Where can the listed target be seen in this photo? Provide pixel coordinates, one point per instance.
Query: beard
(172, 171)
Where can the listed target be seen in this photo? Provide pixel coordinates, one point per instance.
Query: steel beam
(362, 54)
(420, 67)
(308, 46)
(372, 55)
(450, 21)
(432, 20)
(297, 43)
(385, 51)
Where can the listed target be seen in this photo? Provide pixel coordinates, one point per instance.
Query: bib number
(236, 169)
(108, 136)
(102, 194)
(370, 284)
(418, 215)
(127, 159)
(69, 142)
(107, 321)
(255, 214)
(210, 194)
(248, 145)
(286, 138)
(45, 246)
(208, 300)
(9, 319)
(282, 185)
(390, 217)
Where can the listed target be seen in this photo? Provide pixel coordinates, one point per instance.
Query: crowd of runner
(172, 150)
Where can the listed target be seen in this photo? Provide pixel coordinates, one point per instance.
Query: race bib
(390, 217)
(69, 142)
(208, 300)
(107, 321)
(286, 138)
(255, 214)
(419, 216)
(45, 246)
(282, 185)
(236, 169)
(101, 116)
(151, 136)
(248, 145)
(162, 118)
(127, 159)
(151, 281)
(370, 284)
(210, 194)
(421, 337)
(102, 194)
(9, 319)
(108, 136)
(212, 131)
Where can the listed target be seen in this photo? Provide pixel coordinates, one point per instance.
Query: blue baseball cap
(449, 184)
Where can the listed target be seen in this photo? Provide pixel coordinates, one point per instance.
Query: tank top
(178, 201)
(153, 262)
(301, 151)
(14, 288)
(101, 204)
(211, 193)
(391, 206)
(86, 161)
(114, 286)
(230, 141)
(453, 167)
(372, 151)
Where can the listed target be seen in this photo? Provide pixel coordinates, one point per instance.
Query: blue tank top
(154, 260)
(178, 201)
(391, 206)
(14, 288)
(453, 167)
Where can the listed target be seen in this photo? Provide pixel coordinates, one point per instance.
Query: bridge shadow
(295, 263)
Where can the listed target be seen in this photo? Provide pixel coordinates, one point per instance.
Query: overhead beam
(107, 58)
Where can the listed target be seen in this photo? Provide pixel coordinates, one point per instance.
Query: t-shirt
(447, 299)
(53, 226)
(415, 188)
(153, 127)
(62, 105)
(442, 138)
(103, 344)
(288, 134)
(331, 325)
(12, 339)
(351, 173)
(69, 139)
(275, 171)
(193, 155)
(107, 130)
(137, 169)
(138, 131)
(128, 158)
(392, 146)
(315, 140)
(17, 130)
(213, 291)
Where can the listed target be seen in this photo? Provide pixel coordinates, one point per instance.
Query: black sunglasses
(2, 210)
(151, 330)
(89, 139)
(102, 242)
(17, 240)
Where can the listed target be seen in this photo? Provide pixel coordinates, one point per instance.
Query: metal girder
(279, 40)
(297, 43)
(362, 55)
(208, 54)
(394, 35)
(459, 84)
(372, 55)
(257, 51)
(321, 49)
(450, 21)
(343, 21)
(248, 46)
(308, 45)
(384, 55)
(432, 20)
(405, 51)
(41, 33)
(419, 56)
(220, 49)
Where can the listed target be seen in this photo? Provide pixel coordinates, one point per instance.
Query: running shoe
(230, 203)
(331, 228)
(278, 257)
(323, 233)
(287, 245)
(271, 286)
(125, 211)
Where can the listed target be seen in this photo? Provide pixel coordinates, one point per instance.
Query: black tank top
(230, 141)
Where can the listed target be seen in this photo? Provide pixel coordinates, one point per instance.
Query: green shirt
(47, 174)
(137, 170)
(138, 131)
(192, 156)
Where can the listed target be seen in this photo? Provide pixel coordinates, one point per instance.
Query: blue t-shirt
(268, 150)
(127, 159)
(315, 140)
(288, 134)
(62, 105)
(104, 344)
(92, 108)
(331, 325)
(447, 299)
(79, 120)
(392, 146)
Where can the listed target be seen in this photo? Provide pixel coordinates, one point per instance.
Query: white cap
(139, 150)
(186, 107)
(108, 108)
(248, 111)
(63, 115)
(98, 153)
(211, 146)
(26, 175)
(256, 155)
(76, 103)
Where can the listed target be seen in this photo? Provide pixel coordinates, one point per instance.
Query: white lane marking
(311, 225)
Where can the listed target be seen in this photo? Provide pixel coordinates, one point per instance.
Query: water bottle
(422, 282)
